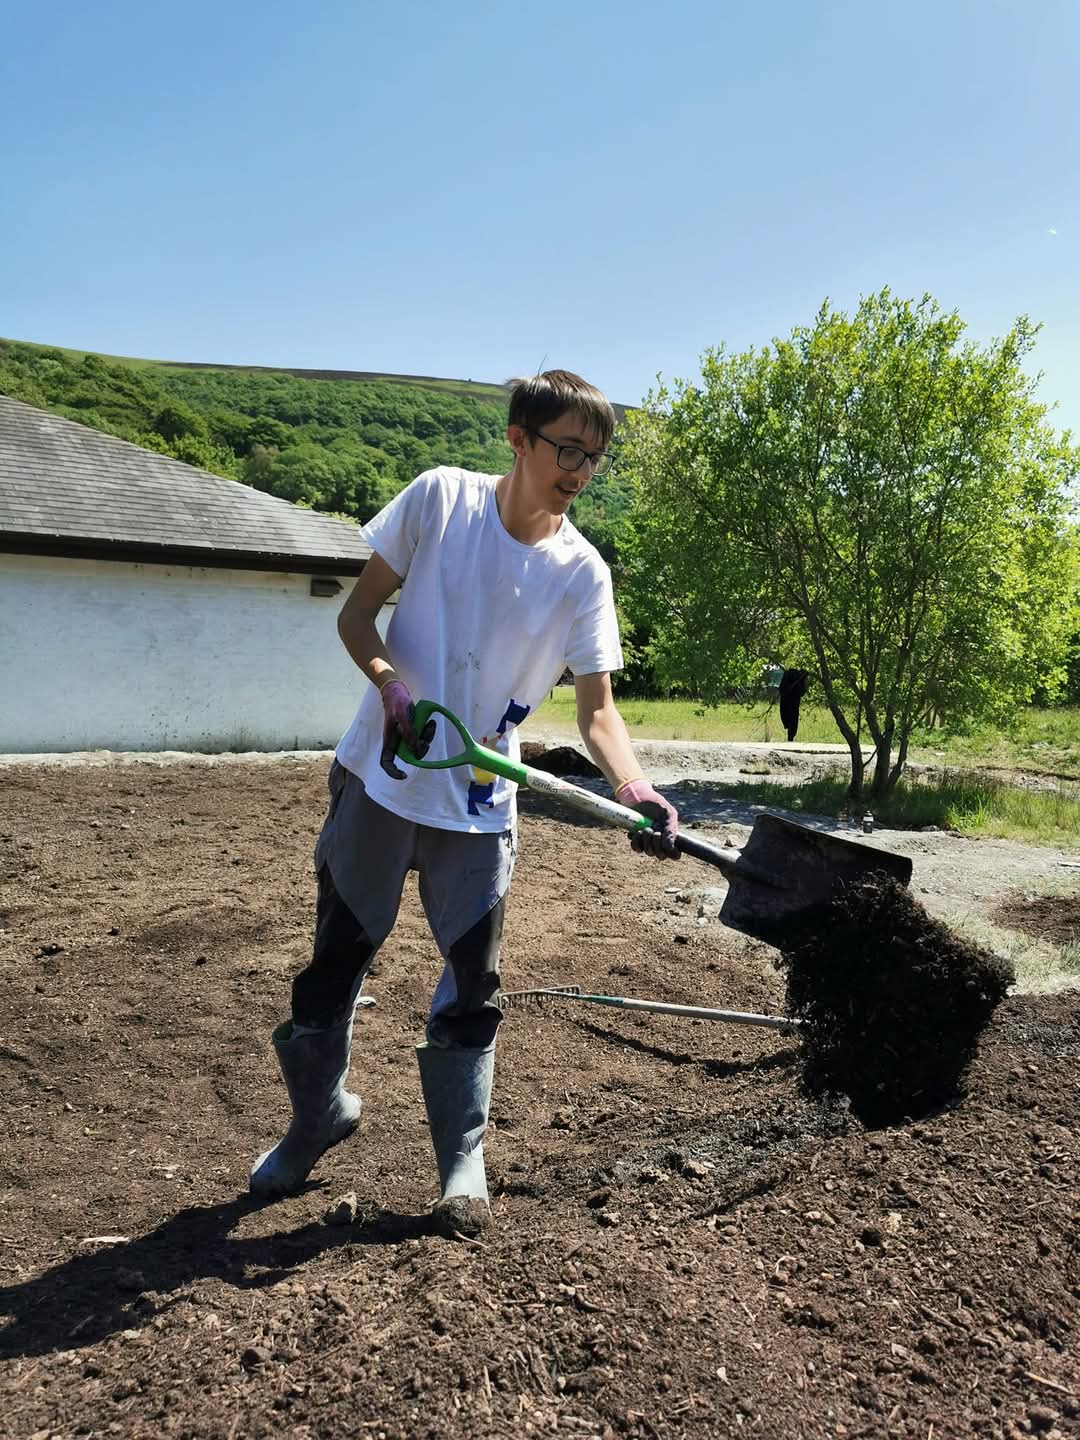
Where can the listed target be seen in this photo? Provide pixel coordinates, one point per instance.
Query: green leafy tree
(194, 450)
(600, 512)
(1068, 691)
(874, 499)
(174, 420)
(266, 431)
(345, 480)
(301, 472)
(231, 430)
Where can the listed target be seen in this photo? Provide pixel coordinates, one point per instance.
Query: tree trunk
(901, 761)
(857, 769)
(883, 752)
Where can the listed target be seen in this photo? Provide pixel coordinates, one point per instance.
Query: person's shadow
(123, 1286)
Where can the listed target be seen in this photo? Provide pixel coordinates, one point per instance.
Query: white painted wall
(104, 655)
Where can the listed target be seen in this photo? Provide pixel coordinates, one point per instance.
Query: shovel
(783, 873)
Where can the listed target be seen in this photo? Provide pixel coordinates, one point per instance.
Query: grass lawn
(1044, 742)
(960, 800)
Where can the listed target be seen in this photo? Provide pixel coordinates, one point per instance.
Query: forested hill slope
(340, 441)
(470, 389)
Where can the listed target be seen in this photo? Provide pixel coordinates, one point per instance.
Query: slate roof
(68, 490)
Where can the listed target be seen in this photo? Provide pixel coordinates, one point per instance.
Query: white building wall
(104, 655)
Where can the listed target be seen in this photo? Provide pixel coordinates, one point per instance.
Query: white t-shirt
(485, 626)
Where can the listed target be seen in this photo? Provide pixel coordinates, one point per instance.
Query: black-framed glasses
(572, 457)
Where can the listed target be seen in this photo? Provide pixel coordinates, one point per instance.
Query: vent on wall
(325, 585)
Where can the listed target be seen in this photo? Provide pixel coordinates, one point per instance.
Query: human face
(547, 485)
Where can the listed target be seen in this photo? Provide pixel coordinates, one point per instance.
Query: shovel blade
(787, 870)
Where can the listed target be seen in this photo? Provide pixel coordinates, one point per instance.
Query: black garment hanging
(793, 685)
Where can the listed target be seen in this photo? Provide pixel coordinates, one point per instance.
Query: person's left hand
(660, 839)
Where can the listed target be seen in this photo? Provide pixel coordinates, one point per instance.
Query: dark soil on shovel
(685, 1243)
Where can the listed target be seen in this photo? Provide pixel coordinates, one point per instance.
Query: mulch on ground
(1055, 918)
(684, 1242)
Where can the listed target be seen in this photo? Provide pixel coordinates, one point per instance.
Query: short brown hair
(539, 399)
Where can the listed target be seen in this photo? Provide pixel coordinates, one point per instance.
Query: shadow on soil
(696, 801)
(123, 1287)
(781, 1060)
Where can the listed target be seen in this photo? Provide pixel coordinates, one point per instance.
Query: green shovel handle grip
(472, 754)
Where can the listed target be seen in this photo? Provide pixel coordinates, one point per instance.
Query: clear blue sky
(472, 189)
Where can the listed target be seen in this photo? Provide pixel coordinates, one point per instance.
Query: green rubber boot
(314, 1065)
(457, 1096)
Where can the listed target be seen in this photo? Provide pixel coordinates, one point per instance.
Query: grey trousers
(362, 857)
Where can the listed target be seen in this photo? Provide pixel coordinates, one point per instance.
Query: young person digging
(499, 594)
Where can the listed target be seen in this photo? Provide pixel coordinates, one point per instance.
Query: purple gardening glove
(660, 840)
(398, 713)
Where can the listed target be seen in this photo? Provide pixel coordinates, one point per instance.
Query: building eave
(70, 547)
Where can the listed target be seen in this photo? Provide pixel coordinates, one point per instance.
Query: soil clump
(891, 1003)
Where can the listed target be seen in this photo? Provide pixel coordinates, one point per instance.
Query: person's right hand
(399, 725)
(660, 840)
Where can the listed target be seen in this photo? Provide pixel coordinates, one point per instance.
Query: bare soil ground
(683, 1245)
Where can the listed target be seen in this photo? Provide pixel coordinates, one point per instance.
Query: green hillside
(340, 441)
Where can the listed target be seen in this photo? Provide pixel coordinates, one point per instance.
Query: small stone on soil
(341, 1211)
(1041, 1418)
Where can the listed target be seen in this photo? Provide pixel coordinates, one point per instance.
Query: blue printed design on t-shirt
(514, 715)
(480, 795)
(482, 792)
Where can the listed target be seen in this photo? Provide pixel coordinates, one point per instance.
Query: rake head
(537, 996)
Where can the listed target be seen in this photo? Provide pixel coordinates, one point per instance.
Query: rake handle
(657, 1007)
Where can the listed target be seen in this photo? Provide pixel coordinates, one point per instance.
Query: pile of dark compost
(559, 760)
(891, 1002)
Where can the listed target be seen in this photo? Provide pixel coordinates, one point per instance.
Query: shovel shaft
(725, 860)
(494, 763)
(576, 797)
(600, 808)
